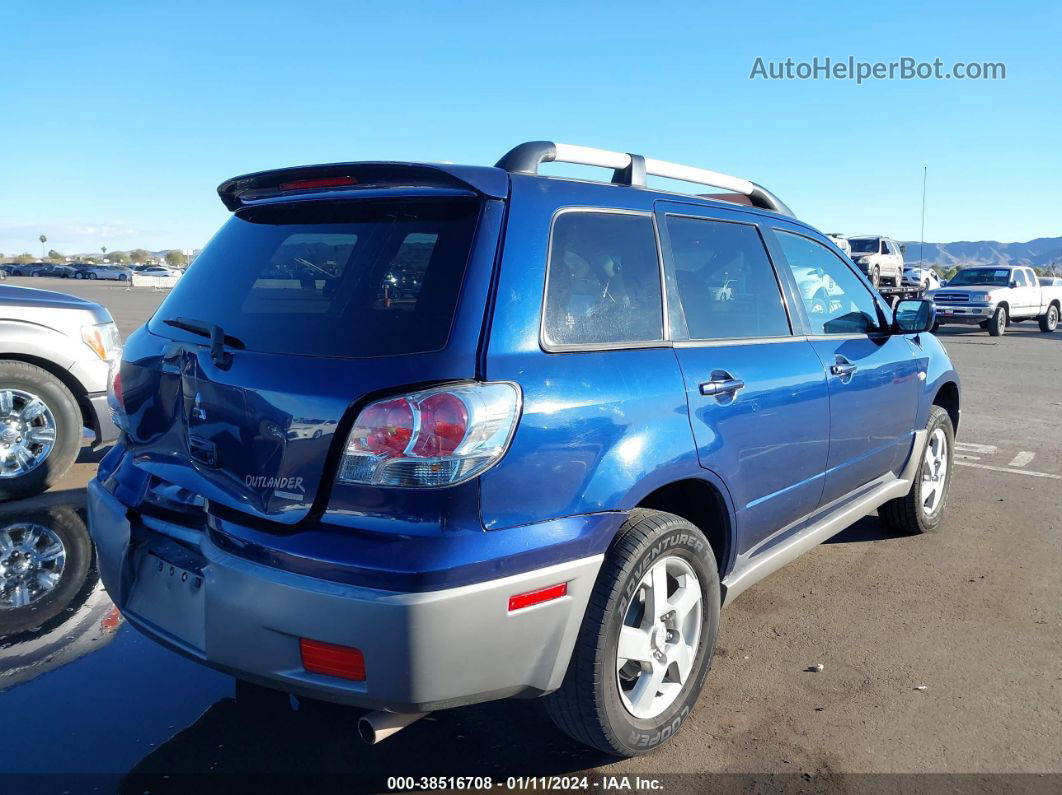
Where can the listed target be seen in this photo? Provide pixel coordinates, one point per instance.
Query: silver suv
(880, 258)
(56, 366)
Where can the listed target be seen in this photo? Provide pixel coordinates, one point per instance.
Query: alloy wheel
(934, 472)
(659, 638)
(32, 558)
(27, 432)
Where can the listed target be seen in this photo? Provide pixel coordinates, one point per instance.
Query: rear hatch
(243, 383)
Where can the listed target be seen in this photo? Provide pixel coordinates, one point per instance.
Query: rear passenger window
(604, 280)
(725, 282)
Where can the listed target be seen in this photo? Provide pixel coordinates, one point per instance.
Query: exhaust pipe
(378, 726)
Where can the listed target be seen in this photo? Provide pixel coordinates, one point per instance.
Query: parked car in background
(544, 485)
(880, 258)
(30, 269)
(158, 270)
(926, 278)
(57, 271)
(55, 368)
(112, 272)
(841, 242)
(992, 297)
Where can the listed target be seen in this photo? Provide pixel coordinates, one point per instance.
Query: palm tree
(43, 239)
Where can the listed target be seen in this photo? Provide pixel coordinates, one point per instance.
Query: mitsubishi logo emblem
(198, 412)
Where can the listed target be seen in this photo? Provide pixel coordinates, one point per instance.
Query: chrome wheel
(27, 432)
(934, 472)
(659, 638)
(31, 564)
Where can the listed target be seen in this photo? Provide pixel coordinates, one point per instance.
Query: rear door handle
(722, 386)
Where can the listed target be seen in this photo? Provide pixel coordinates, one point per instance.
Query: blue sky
(120, 118)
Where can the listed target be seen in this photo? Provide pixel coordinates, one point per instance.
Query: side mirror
(914, 316)
(903, 248)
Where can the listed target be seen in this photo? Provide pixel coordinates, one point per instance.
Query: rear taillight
(436, 437)
(115, 397)
(116, 389)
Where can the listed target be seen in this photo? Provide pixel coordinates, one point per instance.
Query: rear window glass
(349, 279)
(604, 280)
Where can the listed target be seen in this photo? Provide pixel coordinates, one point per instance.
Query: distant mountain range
(1043, 252)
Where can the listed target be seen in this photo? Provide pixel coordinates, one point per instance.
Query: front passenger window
(837, 302)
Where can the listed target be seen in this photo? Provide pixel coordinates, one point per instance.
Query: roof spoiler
(631, 169)
(238, 191)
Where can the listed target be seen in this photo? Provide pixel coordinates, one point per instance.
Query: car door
(895, 260)
(757, 395)
(1033, 293)
(1020, 294)
(875, 378)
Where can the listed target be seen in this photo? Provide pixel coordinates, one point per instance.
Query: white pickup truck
(992, 297)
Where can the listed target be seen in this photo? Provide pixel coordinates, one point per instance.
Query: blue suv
(409, 436)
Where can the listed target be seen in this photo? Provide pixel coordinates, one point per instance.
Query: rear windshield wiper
(218, 338)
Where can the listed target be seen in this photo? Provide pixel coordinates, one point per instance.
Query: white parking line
(1021, 459)
(970, 447)
(1028, 472)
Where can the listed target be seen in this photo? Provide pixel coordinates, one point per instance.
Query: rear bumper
(423, 651)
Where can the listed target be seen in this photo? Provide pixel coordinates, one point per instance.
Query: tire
(921, 509)
(61, 525)
(122, 277)
(1049, 321)
(983, 324)
(78, 275)
(935, 329)
(92, 276)
(65, 418)
(875, 276)
(592, 705)
(997, 325)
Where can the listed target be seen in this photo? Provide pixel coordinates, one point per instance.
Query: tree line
(138, 256)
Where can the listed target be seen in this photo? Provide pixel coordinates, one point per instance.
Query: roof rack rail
(631, 169)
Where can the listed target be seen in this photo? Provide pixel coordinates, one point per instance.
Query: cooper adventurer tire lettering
(683, 538)
(647, 740)
(658, 588)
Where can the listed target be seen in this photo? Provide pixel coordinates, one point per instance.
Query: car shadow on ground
(265, 733)
(869, 528)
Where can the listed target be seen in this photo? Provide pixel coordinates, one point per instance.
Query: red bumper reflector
(331, 660)
(530, 598)
(323, 182)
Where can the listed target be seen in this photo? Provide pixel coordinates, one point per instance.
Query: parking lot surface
(940, 653)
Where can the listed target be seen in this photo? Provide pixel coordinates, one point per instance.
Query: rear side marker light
(329, 659)
(323, 182)
(531, 598)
